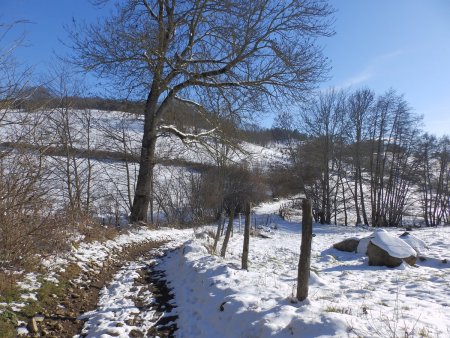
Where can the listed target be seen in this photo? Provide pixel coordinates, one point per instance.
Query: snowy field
(347, 297)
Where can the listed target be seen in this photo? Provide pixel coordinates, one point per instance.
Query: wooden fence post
(228, 232)
(305, 252)
(245, 248)
(219, 227)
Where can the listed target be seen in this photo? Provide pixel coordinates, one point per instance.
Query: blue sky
(399, 44)
(380, 44)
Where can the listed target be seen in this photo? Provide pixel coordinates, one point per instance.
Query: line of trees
(367, 153)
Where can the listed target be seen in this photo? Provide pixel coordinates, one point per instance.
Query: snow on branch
(193, 103)
(186, 137)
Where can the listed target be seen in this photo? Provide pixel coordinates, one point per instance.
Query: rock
(39, 318)
(60, 313)
(33, 325)
(393, 245)
(417, 244)
(52, 323)
(362, 245)
(348, 245)
(112, 332)
(130, 322)
(258, 233)
(380, 257)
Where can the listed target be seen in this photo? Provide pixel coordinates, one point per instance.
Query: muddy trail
(78, 293)
(163, 303)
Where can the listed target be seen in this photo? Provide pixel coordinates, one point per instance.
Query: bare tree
(164, 49)
(434, 176)
(360, 106)
(14, 77)
(324, 120)
(118, 134)
(70, 133)
(393, 139)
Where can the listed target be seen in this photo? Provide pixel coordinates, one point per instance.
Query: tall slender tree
(360, 105)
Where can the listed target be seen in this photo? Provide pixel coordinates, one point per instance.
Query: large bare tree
(261, 50)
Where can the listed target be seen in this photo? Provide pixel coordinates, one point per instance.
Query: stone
(60, 313)
(39, 318)
(380, 257)
(348, 245)
(34, 327)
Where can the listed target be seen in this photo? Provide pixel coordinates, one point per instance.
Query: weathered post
(228, 232)
(305, 252)
(244, 264)
(219, 226)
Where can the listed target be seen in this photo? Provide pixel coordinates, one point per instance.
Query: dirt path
(80, 293)
(163, 304)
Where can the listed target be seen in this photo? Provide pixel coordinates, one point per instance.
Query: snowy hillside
(112, 131)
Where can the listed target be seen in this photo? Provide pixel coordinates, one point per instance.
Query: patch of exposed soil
(60, 316)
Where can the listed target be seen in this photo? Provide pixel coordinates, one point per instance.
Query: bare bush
(27, 223)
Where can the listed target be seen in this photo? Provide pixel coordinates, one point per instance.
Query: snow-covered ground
(347, 297)
(215, 298)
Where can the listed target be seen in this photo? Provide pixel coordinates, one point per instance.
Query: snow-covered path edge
(92, 258)
(117, 313)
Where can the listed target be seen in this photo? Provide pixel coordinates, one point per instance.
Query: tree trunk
(227, 234)
(363, 203)
(305, 252)
(143, 191)
(355, 196)
(246, 237)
